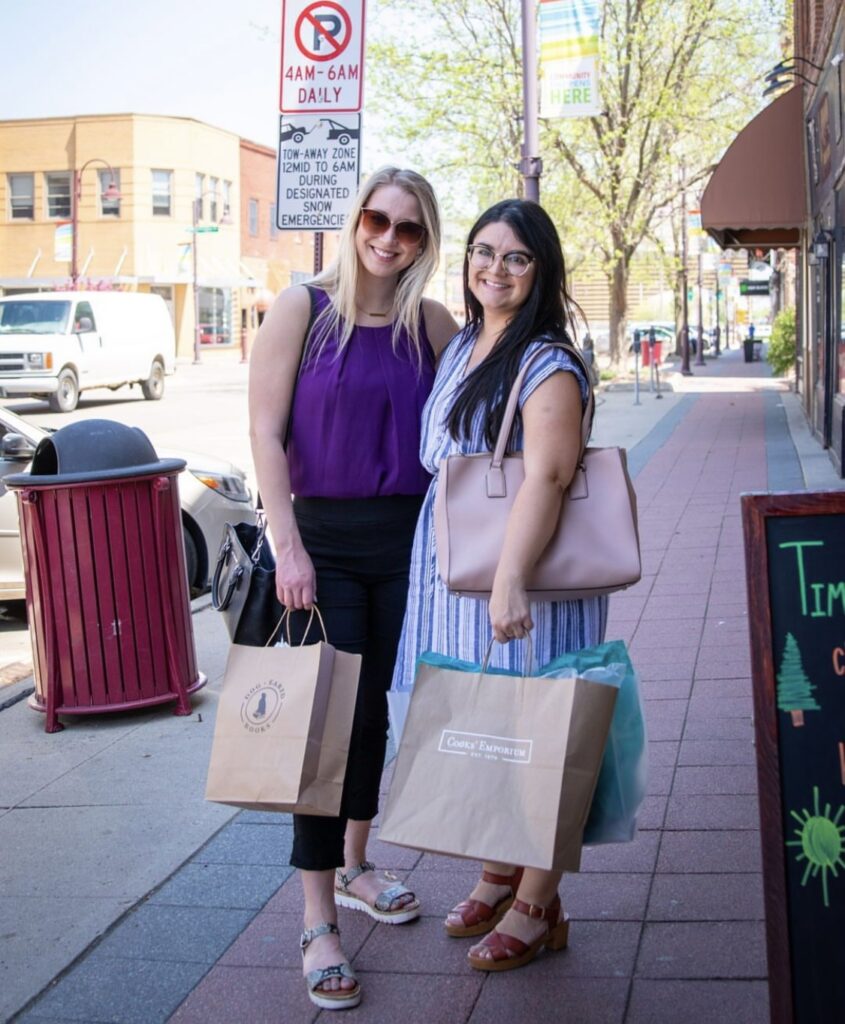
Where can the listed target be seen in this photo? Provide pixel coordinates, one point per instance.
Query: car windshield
(24, 317)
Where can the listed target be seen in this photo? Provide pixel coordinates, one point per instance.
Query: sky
(214, 60)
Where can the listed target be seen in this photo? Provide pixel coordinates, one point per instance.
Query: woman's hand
(510, 615)
(296, 581)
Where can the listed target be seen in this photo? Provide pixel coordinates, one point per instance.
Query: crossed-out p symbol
(328, 25)
(323, 30)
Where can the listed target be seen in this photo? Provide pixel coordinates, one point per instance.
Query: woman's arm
(552, 440)
(273, 367)
(440, 325)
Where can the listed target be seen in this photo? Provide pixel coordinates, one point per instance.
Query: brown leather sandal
(508, 952)
(478, 917)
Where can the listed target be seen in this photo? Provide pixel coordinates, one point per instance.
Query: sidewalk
(146, 904)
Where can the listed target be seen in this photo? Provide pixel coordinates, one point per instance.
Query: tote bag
(281, 739)
(498, 768)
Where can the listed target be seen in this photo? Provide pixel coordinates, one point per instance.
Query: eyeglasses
(407, 231)
(482, 257)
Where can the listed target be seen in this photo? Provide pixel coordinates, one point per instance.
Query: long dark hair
(546, 311)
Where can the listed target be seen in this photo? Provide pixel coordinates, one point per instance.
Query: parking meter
(637, 343)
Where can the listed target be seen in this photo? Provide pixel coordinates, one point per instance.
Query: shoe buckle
(536, 912)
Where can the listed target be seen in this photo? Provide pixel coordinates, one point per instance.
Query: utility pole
(685, 368)
(530, 166)
(699, 354)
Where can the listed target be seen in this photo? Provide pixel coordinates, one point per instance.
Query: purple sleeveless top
(355, 418)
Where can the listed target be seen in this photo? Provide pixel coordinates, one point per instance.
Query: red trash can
(658, 351)
(646, 354)
(106, 586)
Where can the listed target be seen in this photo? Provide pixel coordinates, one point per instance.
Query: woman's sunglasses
(407, 231)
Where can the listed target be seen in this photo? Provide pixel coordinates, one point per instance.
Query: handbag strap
(506, 428)
(233, 580)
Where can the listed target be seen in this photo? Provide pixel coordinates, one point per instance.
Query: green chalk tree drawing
(794, 687)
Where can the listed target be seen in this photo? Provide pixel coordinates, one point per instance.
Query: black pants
(361, 550)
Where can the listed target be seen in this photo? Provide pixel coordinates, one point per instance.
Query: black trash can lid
(93, 450)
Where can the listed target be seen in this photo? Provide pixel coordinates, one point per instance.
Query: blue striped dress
(459, 627)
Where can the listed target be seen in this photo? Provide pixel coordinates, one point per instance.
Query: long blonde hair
(340, 278)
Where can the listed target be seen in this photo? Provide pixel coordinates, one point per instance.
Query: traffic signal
(689, 294)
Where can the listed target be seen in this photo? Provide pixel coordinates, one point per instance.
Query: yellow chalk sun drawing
(822, 842)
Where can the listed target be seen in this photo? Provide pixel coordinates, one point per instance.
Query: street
(204, 409)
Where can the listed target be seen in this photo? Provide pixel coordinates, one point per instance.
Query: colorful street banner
(569, 50)
(63, 242)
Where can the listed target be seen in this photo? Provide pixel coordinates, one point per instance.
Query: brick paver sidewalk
(666, 929)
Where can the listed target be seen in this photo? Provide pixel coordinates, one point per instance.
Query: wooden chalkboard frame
(756, 510)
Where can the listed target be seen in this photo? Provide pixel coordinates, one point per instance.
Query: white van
(57, 344)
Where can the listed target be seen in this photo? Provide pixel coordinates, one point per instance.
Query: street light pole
(530, 166)
(685, 368)
(111, 192)
(195, 224)
(195, 220)
(699, 352)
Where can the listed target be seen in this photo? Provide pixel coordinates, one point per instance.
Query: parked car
(212, 493)
(54, 345)
(290, 131)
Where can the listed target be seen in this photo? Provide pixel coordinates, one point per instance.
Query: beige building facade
(182, 220)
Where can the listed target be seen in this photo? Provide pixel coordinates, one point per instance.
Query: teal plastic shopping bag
(621, 786)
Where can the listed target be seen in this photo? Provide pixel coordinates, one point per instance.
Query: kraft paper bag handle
(286, 620)
(529, 658)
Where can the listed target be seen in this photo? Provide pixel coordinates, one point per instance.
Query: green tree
(795, 691)
(781, 353)
(678, 81)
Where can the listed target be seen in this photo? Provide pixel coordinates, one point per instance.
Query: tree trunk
(618, 312)
(797, 717)
(678, 312)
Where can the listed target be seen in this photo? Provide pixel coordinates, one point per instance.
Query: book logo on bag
(488, 748)
(261, 706)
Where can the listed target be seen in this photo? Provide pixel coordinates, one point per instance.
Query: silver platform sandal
(380, 910)
(340, 999)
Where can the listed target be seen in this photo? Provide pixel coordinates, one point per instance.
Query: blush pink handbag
(595, 548)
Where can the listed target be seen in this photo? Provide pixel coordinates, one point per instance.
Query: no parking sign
(322, 56)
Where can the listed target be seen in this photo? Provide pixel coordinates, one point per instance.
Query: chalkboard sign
(795, 565)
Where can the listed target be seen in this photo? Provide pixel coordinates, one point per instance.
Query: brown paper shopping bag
(284, 720)
(498, 768)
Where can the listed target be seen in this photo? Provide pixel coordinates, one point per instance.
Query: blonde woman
(339, 375)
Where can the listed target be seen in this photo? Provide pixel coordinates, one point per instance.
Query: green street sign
(205, 229)
(753, 287)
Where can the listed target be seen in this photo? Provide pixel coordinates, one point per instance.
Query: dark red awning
(757, 196)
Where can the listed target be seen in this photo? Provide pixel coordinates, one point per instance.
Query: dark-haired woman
(516, 300)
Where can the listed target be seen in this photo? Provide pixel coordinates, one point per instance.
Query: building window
(162, 193)
(199, 190)
(109, 207)
(274, 228)
(227, 197)
(213, 186)
(21, 197)
(300, 276)
(58, 194)
(253, 217)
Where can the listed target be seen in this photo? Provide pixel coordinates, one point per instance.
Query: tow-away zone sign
(319, 160)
